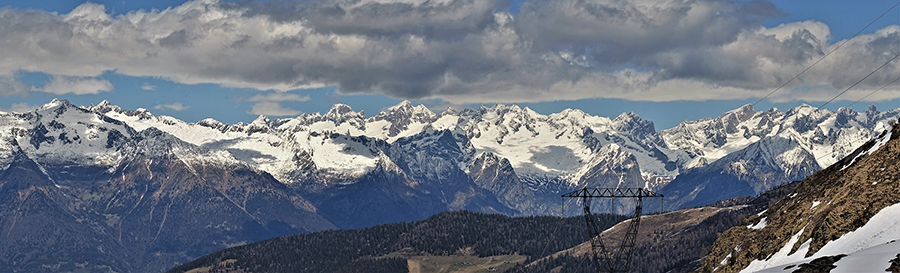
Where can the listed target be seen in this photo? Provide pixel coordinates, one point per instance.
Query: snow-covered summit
(828, 135)
(401, 117)
(60, 133)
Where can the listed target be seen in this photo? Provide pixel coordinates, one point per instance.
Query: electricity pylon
(620, 260)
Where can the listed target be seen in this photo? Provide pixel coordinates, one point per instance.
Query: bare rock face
(824, 207)
(44, 232)
(497, 176)
(770, 162)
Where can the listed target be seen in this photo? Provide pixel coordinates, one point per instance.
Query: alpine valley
(105, 189)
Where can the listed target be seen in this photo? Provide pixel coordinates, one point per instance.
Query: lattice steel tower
(620, 260)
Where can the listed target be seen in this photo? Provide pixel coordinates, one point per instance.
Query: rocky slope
(847, 211)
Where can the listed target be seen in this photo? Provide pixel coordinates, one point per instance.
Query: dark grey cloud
(442, 20)
(462, 51)
(613, 33)
(175, 39)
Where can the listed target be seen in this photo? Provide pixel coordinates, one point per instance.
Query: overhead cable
(826, 55)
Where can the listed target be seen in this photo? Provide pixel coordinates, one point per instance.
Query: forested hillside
(550, 243)
(674, 242)
(457, 232)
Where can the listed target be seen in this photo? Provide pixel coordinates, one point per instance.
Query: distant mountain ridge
(547, 154)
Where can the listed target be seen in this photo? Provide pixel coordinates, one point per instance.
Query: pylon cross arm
(612, 192)
(619, 261)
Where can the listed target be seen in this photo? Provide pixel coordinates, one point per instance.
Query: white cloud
(274, 109)
(454, 50)
(10, 86)
(20, 107)
(175, 106)
(60, 85)
(278, 97)
(270, 104)
(148, 86)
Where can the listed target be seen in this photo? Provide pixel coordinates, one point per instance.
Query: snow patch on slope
(881, 141)
(876, 242)
(760, 225)
(781, 256)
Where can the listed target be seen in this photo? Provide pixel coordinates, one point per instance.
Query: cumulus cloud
(20, 107)
(460, 51)
(148, 86)
(276, 97)
(613, 33)
(175, 106)
(10, 86)
(60, 85)
(275, 109)
(270, 104)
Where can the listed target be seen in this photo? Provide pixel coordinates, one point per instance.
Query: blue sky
(553, 55)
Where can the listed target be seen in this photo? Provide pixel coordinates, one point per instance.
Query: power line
(851, 104)
(855, 141)
(809, 67)
(873, 92)
(826, 55)
(861, 80)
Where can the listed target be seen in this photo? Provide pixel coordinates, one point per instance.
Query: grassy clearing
(462, 264)
(208, 268)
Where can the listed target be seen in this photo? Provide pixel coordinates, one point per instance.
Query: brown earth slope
(846, 196)
(669, 242)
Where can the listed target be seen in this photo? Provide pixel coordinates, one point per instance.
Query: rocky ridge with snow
(842, 219)
(547, 153)
(744, 152)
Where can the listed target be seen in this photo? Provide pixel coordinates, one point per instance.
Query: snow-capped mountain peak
(736, 116)
(827, 135)
(450, 111)
(211, 123)
(54, 104)
(261, 120)
(405, 108)
(401, 119)
(340, 112)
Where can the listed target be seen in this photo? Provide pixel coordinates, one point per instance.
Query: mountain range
(539, 156)
(152, 191)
